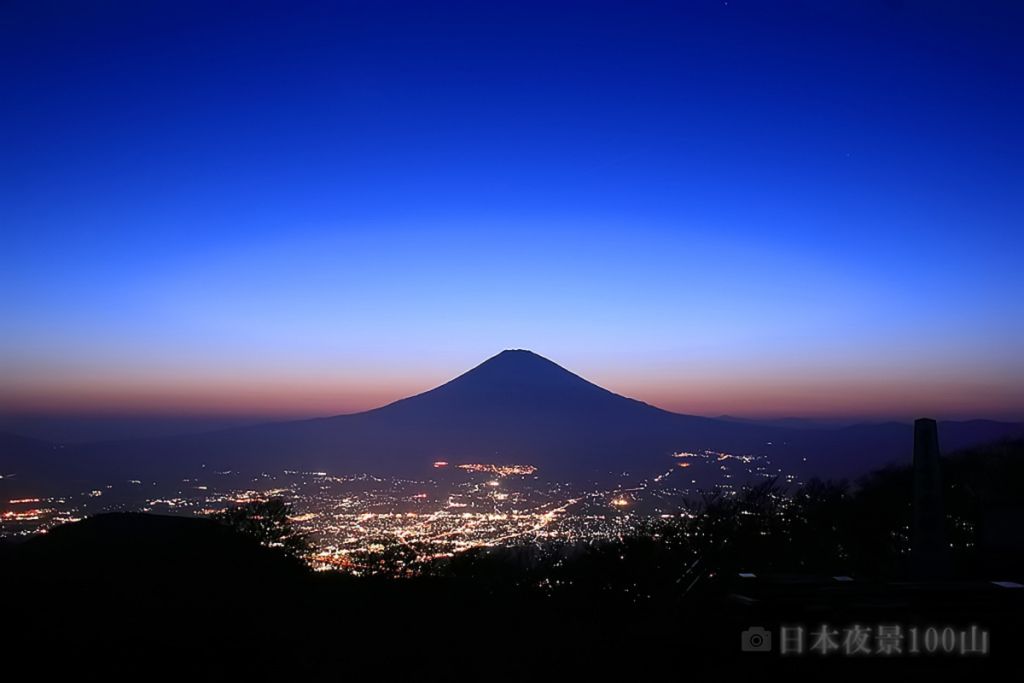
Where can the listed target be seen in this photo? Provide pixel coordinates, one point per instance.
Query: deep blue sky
(745, 207)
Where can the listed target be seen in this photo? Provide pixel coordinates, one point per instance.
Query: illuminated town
(463, 506)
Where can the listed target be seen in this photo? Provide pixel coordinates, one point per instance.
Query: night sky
(753, 208)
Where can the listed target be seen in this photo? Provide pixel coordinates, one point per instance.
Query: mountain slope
(515, 408)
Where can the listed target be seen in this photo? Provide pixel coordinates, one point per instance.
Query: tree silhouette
(269, 522)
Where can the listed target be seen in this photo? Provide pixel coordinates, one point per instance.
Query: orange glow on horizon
(849, 395)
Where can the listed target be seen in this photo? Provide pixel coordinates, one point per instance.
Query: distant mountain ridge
(514, 408)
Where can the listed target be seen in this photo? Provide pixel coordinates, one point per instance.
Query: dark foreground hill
(141, 596)
(119, 549)
(515, 408)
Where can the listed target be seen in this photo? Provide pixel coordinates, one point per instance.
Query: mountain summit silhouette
(515, 380)
(517, 370)
(514, 408)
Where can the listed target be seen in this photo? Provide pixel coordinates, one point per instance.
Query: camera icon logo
(756, 639)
